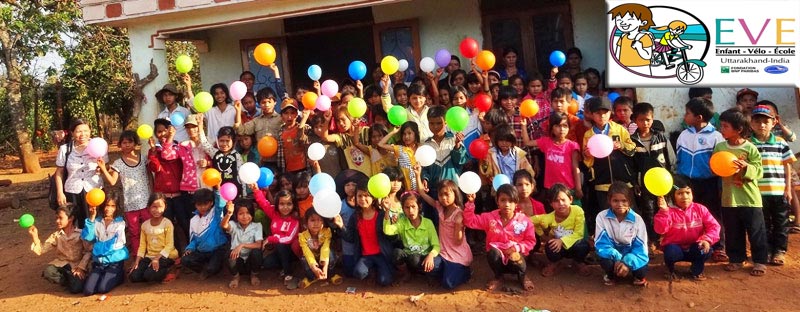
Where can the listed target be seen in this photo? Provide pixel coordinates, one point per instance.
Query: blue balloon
(613, 96)
(314, 72)
(321, 181)
(557, 58)
(266, 178)
(177, 119)
(357, 70)
(499, 180)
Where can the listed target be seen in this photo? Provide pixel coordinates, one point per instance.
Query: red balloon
(483, 102)
(479, 148)
(469, 47)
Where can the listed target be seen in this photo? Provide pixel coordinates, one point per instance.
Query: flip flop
(720, 256)
(730, 267)
(759, 270)
(794, 229)
(778, 259)
(549, 269)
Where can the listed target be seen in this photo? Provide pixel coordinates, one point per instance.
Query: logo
(776, 69)
(725, 69)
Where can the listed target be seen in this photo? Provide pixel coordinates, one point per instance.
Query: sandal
(304, 283)
(778, 259)
(527, 285)
(640, 282)
(699, 278)
(494, 284)
(254, 280)
(336, 279)
(759, 270)
(608, 281)
(733, 266)
(720, 256)
(549, 269)
(794, 229)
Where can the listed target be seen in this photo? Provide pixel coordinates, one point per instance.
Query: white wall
(139, 37)
(223, 61)
(589, 31)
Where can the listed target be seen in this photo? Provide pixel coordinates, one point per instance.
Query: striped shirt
(775, 154)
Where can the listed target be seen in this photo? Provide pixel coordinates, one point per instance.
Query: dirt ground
(23, 289)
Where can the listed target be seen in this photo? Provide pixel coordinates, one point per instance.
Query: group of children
(592, 210)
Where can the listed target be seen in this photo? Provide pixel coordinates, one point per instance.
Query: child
(206, 250)
(621, 238)
(417, 110)
(451, 154)
(508, 105)
(157, 251)
(671, 41)
(420, 252)
(780, 129)
(561, 154)
(283, 232)
(741, 202)
(560, 102)
(410, 138)
(623, 109)
(166, 165)
(107, 234)
(291, 143)
(706, 94)
(504, 157)
(246, 239)
(445, 97)
(510, 236)
(303, 193)
(269, 123)
(745, 100)
(593, 81)
(562, 231)
(334, 160)
(347, 139)
(776, 186)
(248, 150)
(380, 158)
(454, 250)
(687, 230)
(581, 89)
(318, 258)
(401, 94)
(349, 256)
(72, 253)
(517, 83)
(224, 157)
(391, 204)
(221, 114)
(525, 185)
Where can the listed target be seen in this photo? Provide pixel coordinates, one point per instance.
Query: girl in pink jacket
(510, 236)
(687, 230)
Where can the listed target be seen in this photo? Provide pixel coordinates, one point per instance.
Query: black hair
(312, 212)
(679, 181)
(523, 174)
(555, 189)
(770, 104)
(473, 78)
(224, 88)
(619, 187)
(379, 112)
(456, 89)
(69, 210)
(536, 76)
(574, 50)
(75, 123)
(418, 81)
(416, 89)
(317, 119)
(265, 93)
(203, 196)
(558, 93)
(510, 191)
(129, 135)
(412, 195)
(455, 73)
(371, 91)
(413, 126)
(495, 117)
(250, 95)
(162, 122)
(227, 131)
(286, 193)
(454, 57)
(642, 108)
(509, 49)
(562, 75)
(737, 120)
(247, 203)
(156, 196)
(556, 118)
(507, 92)
(115, 195)
(579, 76)
(515, 78)
(394, 173)
(378, 128)
(622, 100)
(592, 70)
(436, 111)
(699, 92)
(504, 133)
(398, 87)
(302, 179)
(446, 184)
(699, 107)
(362, 186)
(247, 72)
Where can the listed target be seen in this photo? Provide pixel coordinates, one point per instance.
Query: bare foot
(234, 282)
(527, 285)
(494, 284)
(549, 269)
(254, 280)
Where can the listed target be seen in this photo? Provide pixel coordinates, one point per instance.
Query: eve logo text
(784, 29)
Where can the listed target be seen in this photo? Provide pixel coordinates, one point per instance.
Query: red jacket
(167, 166)
(518, 233)
(686, 227)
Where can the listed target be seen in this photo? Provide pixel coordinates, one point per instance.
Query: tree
(29, 29)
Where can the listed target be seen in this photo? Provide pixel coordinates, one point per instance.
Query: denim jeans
(379, 264)
(674, 253)
(103, 278)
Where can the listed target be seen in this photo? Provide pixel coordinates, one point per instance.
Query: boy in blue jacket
(206, 250)
(621, 238)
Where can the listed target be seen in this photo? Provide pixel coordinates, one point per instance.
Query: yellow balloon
(144, 132)
(658, 181)
(390, 65)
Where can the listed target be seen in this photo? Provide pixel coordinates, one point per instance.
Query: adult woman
(573, 63)
(80, 168)
(510, 58)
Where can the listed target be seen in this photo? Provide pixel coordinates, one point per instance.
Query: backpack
(52, 195)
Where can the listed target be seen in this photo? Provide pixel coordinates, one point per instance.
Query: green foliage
(177, 48)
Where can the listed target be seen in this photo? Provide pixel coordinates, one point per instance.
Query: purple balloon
(442, 58)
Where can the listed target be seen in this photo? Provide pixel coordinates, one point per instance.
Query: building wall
(588, 27)
(223, 61)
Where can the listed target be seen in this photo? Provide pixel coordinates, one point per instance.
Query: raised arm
(384, 143)
(525, 137)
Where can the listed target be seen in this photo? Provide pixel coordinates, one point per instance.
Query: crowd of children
(558, 199)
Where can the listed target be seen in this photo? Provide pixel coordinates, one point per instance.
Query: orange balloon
(264, 54)
(572, 109)
(95, 197)
(309, 100)
(211, 177)
(722, 164)
(485, 60)
(528, 108)
(267, 146)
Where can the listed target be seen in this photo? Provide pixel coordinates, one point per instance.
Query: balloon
(97, 148)
(249, 173)
(457, 118)
(323, 103)
(427, 64)
(309, 100)
(183, 64)
(356, 107)
(389, 65)
(267, 147)
(483, 102)
(228, 191)
(203, 101)
(211, 177)
(499, 180)
(557, 58)
(572, 109)
(722, 164)
(144, 132)
(403, 65)
(397, 115)
(329, 88)
(485, 60)
(379, 185)
(316, 151)
(528, 108)
(357, 70)
(425, 155)
(479, 149)
(442, 58)
(314, 72)
(177, 119)
(238, 90)
(613, 96)
(469, 47)
(321, 181)
(658, 181)
(264, 54)
(95, 197)
(26, 221)
(327, 203)
(469, 182)
(600, 145)
(266, 177)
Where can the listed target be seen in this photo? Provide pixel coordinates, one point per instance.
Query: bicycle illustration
(688, 71)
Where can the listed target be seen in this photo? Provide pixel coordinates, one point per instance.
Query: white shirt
(215, 119)
(81, 170)
(180, 131)
(135, 183)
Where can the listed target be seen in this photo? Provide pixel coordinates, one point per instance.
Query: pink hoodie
(518, 233)
(686, 227)
(283, 228)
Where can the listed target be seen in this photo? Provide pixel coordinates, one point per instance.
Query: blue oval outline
(776, 69)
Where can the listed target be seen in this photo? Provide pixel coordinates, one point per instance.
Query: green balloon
(26, 221)
(379, 185)
(397, 115)
(183, 64)
(203, 102)
(357, 107)
(457, 118)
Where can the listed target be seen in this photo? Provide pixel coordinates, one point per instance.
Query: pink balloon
(238, 90)
(600, 145)
(329, 88)
(323, 102)
(97, 148)
(228, 191)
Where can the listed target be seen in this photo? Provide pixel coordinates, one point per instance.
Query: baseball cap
(191, 120)
(744, 92)
(596, 104)
(288, 103)
(763, 110)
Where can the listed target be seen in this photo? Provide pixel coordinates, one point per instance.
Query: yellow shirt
(668, 36)
(316, 248)
(569, 230)
(628, 55)
(157, 240)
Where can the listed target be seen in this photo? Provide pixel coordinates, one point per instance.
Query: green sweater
(741, 189)
(421, 240)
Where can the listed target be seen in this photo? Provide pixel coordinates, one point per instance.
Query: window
(264, 75)
(401, 40)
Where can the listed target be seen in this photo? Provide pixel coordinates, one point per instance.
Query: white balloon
(327, 203)
(427, 64)
(469, 182)
(425, 155)
(403, 65)
(249, 173)
(316, 151)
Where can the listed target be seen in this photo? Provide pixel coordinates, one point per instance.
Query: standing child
(623, 110)
(742, 211)
(365, 231)
(109, 253)
(410, 138)
(560, 103)
(525, 185)
(291, 143)
(334, 160)
(420, 252)
(780, 129)
(224, 157)
(417, 108)
(347, 139)
(283, 232)
(561, 155)
(72, 253)
(509, 102)
(580, 90)
(157, 251)
(562, 231)
(318, 258)
(167, 167)
(451, 154)
(206, 250)
(303, 194)
(504, 157)
(621, 238)
(246, 239)
(391, 204)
